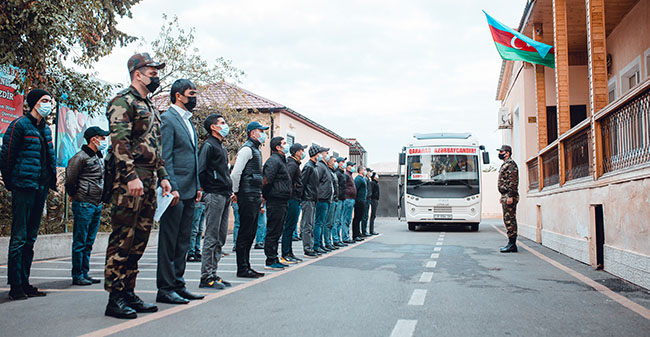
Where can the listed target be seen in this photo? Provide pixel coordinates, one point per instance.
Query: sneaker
(93, 280)
(320, 251)
(283, 264)
(32, 291)
(310, 254)
(211, 282)
(226, 283)
(275, 266)
(16, 294)
(191, 258)
(259, 246)
(81, 281)
(287, 260)
(295, 258)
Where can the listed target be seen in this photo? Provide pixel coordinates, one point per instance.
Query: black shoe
(250, 273)
(294, 258)
(338, 244)
(16, 294)
(197, 257)
(259, 246)
(320, 251)
(170, 297)
(118, 307)
(374, 233)
(222, 281)
(186, 294)
(32, 291)
(511, 247)
(358, 239)
(191, 258)
(310, 254)
(351, 241)
(93, 280)
(212, 282)
(295, 238)
(137, 304)
(81, 281)
(331, 248)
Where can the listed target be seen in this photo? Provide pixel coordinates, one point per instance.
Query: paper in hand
(163, 203)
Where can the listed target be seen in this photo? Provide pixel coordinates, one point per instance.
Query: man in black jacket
(84, 183)
(297, 151)
(331, 212)
(374, 200)
(276, 191)
(341, 177)
(310, 180)
(216, 183)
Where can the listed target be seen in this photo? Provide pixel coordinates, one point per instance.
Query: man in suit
(179, 144)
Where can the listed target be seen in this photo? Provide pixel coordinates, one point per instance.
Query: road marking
(437, 249)
(435, 255)
(418, 297)
(439, 243)
(139, 278)
(404, 328)
(432, 264)
(113, 329)
(622, 300)
(426, 277)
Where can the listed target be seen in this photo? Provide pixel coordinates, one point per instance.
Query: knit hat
(314, 150)
(34, 96)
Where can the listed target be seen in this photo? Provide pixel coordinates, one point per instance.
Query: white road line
(432, 264)
(139, 279)
(437, 249)
(404, 328)
(439, 243)
(426, 277)
(435, 255)
(418, 297)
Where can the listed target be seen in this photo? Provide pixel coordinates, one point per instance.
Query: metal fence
(577, 155)
(533, 175)
(551, 168)
(626, 134)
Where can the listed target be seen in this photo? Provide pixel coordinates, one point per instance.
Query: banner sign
(11, 100)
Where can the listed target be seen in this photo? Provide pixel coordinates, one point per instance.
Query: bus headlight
(472, 210)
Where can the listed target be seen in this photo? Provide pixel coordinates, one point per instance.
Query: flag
(515, 46)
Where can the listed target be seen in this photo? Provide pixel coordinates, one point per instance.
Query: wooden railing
(551, 169)
(577, 154)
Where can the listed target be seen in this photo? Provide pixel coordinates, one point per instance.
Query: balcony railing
(577, 154)
(625, 134)
(551, 167)
(533, 175)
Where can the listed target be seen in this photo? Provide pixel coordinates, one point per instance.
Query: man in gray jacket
(325, 192)
(84, 183)
(179, 146)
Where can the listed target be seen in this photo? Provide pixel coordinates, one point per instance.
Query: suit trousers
(359, 211)
(276, 212)
(173, 243)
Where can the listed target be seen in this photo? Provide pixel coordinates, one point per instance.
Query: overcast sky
(371, 69)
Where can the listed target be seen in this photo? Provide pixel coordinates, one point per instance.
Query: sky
(374, 70)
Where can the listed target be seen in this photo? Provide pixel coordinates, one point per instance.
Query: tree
(175, 46)
(39, 36)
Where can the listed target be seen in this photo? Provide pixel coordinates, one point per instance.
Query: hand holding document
(163, 202)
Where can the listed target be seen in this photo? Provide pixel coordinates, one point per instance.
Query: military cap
(140, 60)
(505, 148)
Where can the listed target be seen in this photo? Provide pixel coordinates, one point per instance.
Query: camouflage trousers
(510, 218)
(132, 220)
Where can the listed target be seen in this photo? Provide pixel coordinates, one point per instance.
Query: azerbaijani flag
(515, 46)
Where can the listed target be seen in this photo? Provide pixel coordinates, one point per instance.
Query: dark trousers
(290, 224)
(359, 211)
(364, 220)
(249, 211)
(276, 212)
(173, 243)
(373, 213)
(27, 209)
(86, 223)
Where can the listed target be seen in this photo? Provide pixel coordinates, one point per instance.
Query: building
(357, 152)
(581, 132)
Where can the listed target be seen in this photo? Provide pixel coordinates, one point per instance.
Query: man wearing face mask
(277, 191)
(27, 163)
(84, 183)
(359, 204)
(366, 212)
(325, 191)
(329, 223)
(179, 143)
(341, 178)
(247, 183)
(348, 204)
(215, 181)
(509, 188)
(139, 166)
(310, 181)
(293, 212)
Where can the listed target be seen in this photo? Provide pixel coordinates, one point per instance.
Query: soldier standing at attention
(136, 142)
(509, 188)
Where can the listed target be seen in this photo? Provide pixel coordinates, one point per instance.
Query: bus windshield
(426, 174)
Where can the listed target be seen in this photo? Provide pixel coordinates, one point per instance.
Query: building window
(611, 90)
(551, 124)
(291, 139)
(631, 75)
(578, 114)
(647, 62)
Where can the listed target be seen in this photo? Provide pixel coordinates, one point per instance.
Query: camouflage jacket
(509, 179)
(135, 134)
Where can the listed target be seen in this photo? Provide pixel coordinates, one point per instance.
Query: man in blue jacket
(359, 204)
(28, 169)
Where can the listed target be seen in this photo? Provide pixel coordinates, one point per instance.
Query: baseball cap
(140, 60)
(296, 147)
(505, 148)
(254, 126)
(94, 131)
(351, 163)
(340, 159)
(324, 149)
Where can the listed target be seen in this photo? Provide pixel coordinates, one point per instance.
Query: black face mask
(502, 156)
(191, 103)
(154, 84)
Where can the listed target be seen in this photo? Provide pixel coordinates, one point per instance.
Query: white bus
(441, 183)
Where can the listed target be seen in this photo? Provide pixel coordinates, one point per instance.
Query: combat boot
(511, 247)
(117, 306)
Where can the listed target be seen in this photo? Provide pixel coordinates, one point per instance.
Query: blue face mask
(103, 145)
(225, 130)
(303, 155)
(286, 148)
(262, 138)
(45, 109)
(353, 170)
(344, 166)
(336, 165)
(327, 158)
(319, 158)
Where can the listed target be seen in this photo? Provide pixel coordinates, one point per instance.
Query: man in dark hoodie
(342, 180)
(297, 152)
(348, 204)
(325, 191)
(329, 224)
(310, 180)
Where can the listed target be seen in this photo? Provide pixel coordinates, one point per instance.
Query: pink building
(581, 132)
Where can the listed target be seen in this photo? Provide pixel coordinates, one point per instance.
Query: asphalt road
(434, 282)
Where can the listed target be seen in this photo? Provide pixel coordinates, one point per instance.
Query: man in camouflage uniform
(509, 188)
(136, 145)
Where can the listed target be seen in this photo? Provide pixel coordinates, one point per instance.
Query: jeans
(290, 224)
(86, 223)
(329, 224)
(336, 228)
(276, 212)
(364, 220)
(261, 226)
(27, 210)
(197, 228)
(235, 228)
(346, 218)
(322, 208)
(216, 231)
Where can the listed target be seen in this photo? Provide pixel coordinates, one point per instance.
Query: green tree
(39, 36)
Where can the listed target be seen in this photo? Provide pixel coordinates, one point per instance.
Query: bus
(440, 180)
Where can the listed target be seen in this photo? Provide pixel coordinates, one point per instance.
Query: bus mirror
(402, 158)
(481, 147)
(486, 158)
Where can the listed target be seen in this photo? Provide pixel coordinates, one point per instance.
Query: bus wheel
(475, 227)
(411, 226)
